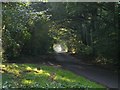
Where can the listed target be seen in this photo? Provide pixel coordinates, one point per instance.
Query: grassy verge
(42, 76)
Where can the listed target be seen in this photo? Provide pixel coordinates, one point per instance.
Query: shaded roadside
(105, 77)
(97, 74)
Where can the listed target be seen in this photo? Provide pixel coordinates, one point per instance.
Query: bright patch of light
(73, 51)
(57, 48)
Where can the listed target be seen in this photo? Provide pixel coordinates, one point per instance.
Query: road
(105, 77)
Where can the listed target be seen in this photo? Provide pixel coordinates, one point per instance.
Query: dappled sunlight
(28, 68)
(27, 82)
(64, 29)
(37, 72)
(73, 50)
(33, 75)
(2, 66)
(11, 69)
(75, 35)
(58, 77)
(101, 60)
(66, 79)
(15, 65)
(42, 72)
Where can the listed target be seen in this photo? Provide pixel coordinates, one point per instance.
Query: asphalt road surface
(105, 77)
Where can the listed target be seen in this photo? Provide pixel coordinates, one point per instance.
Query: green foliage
(15, 32)
(95, 26)
(21, 28)
(40, 76)
(85, 28)
(85, 50)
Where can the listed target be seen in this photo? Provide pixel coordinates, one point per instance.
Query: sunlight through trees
(88, 29)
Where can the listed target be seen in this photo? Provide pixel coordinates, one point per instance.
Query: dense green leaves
(84, 28)
(94, 25)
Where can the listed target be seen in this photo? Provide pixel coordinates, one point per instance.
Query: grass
(42, 76)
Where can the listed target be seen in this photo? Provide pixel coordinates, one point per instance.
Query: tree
(84, 28)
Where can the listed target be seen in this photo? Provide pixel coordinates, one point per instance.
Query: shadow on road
(94, 73)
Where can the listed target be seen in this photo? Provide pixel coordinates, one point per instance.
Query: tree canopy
(33, 28)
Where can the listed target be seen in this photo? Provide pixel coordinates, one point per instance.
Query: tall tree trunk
(93, 27)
